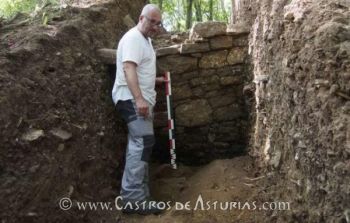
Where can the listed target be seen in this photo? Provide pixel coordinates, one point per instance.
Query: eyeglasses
(154, 22)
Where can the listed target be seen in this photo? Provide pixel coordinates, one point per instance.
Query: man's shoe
(145, 207)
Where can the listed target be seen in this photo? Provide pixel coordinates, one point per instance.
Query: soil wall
(59, 133)
(300, 52)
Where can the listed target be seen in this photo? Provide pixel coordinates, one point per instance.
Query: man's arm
(133, 84)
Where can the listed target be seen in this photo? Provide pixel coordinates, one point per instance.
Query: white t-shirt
(136, 48)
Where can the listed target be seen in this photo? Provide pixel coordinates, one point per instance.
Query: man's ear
(141, 17)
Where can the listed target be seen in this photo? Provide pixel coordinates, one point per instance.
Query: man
(134, 95)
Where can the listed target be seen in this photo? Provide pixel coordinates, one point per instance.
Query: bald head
(150, 20)
(150, 8)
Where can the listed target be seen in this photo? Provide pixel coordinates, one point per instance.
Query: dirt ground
(232, 183)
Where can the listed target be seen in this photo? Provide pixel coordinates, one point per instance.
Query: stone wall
(208, 76)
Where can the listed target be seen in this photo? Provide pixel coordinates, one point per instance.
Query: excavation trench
(212, 101)
(62, 138)
(59, 126)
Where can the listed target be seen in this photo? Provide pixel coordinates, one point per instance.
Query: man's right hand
(142, 107)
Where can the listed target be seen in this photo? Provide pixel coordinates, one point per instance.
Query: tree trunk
(160, 5)
(197, 6)
(210, 10)
(189, 14)
(243, 11)
(224, 13)
(234, 11)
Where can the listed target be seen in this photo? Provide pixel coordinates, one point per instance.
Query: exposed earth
(48, 101)
(223, 180)
(61, 137)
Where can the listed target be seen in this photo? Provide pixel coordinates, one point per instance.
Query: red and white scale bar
(171, 126)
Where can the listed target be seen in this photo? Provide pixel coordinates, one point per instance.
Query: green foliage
(44, 18)
(174, 12)
(9, 8)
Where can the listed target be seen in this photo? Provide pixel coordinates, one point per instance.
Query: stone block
(228, 113)
(228, 134)
(207, 29)
(196, 55)
(222, 71)
(168, 50)
(179, 130)
(221, 145)
(180, 78)
(237, 55)
(221, 100)
(225, 71)
(193, 113)
(176, 38)
(230, 80)
(228, 131)
(214, 93)
(198, 92)
(194, 48)
(195, 135)
(181, 92)
(190, 75)
(240, 41)
(177, 64)
(205, 80)
(207, 72)
(199, 40)
(238, 29)
(237, 69)
(211, 87)
(213, 59)
(180, 102)
(221, 42)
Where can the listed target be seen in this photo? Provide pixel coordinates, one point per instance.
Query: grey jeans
(139, 149)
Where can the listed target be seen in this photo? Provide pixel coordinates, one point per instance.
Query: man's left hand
(161, 80)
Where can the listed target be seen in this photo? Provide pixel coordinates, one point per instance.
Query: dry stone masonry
(208, 76)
